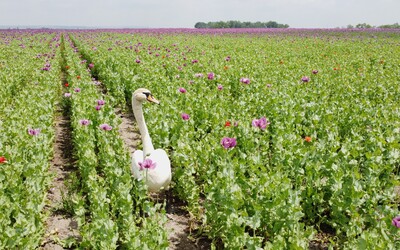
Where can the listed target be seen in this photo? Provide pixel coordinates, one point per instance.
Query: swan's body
(160, 176)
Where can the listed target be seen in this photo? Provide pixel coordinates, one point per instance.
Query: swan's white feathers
(160, 176)
(157, 178)
(137, 157)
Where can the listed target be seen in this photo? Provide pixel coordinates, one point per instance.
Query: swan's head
(142, 95)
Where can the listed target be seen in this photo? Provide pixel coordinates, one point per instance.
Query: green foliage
(274, 189)
(24, 179)
(327, 163)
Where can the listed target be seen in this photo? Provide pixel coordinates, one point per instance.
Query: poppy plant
(305, 79)
(396, 221)
(228, 142)
(185, 116)
(308, 138)
(261, 123)
(3, 159)
(227, 124)
(34, 132)
(105, 127)
(101, 102)
(84, 122)
(245, 80)
(182, 90)
(147, 164)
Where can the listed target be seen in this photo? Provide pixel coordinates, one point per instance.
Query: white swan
(153, 165)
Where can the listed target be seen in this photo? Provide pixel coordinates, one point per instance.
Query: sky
(186, 13)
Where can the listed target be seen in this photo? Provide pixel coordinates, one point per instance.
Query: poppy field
(278, 139)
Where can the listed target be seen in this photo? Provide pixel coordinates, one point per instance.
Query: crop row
(112, 210)
(29, 80)
(314, 122)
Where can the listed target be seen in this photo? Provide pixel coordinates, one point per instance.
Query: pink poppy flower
(185, 116)
(228, 143)
(147, 164)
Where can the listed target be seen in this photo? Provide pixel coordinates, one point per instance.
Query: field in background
(314, 117)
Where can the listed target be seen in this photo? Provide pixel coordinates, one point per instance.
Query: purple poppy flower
(98, 107)
(227, 142)
(269, 85)
(182, 90)
(185, 116)
(147, 164)
(220, 87)
(137, 61)
(84, 122)
(305, 79)
(396, 221)
(105, 127)
(198, 75)
(77, 90)
(315, 71)
(195, 61)
(210, 76)
(228, 58)
(101, 102)
(91, 65)
(261, 123)
(67, 95)
(34, 132)
(245, 80)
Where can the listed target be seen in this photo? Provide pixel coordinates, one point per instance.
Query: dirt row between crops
(60, 225)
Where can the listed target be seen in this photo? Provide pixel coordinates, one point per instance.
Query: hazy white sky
(186, 13)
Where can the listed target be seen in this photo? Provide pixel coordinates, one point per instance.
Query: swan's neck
(146, 140)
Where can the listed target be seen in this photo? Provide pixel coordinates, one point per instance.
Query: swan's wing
(160, 176)
(137, 157)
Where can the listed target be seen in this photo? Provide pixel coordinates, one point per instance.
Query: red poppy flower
(3, 159)
(67, 67)
(66, 84)
(78, 77)
(308, 139)
(227, 124)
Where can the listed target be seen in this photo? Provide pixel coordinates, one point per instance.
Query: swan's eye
(147, 94)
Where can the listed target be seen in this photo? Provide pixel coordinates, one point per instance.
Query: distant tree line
(238, 24)
(368, 26)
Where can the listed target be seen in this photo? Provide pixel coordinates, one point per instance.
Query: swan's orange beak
(151, 98)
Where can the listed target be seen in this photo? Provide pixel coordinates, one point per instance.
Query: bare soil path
(60, 225)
